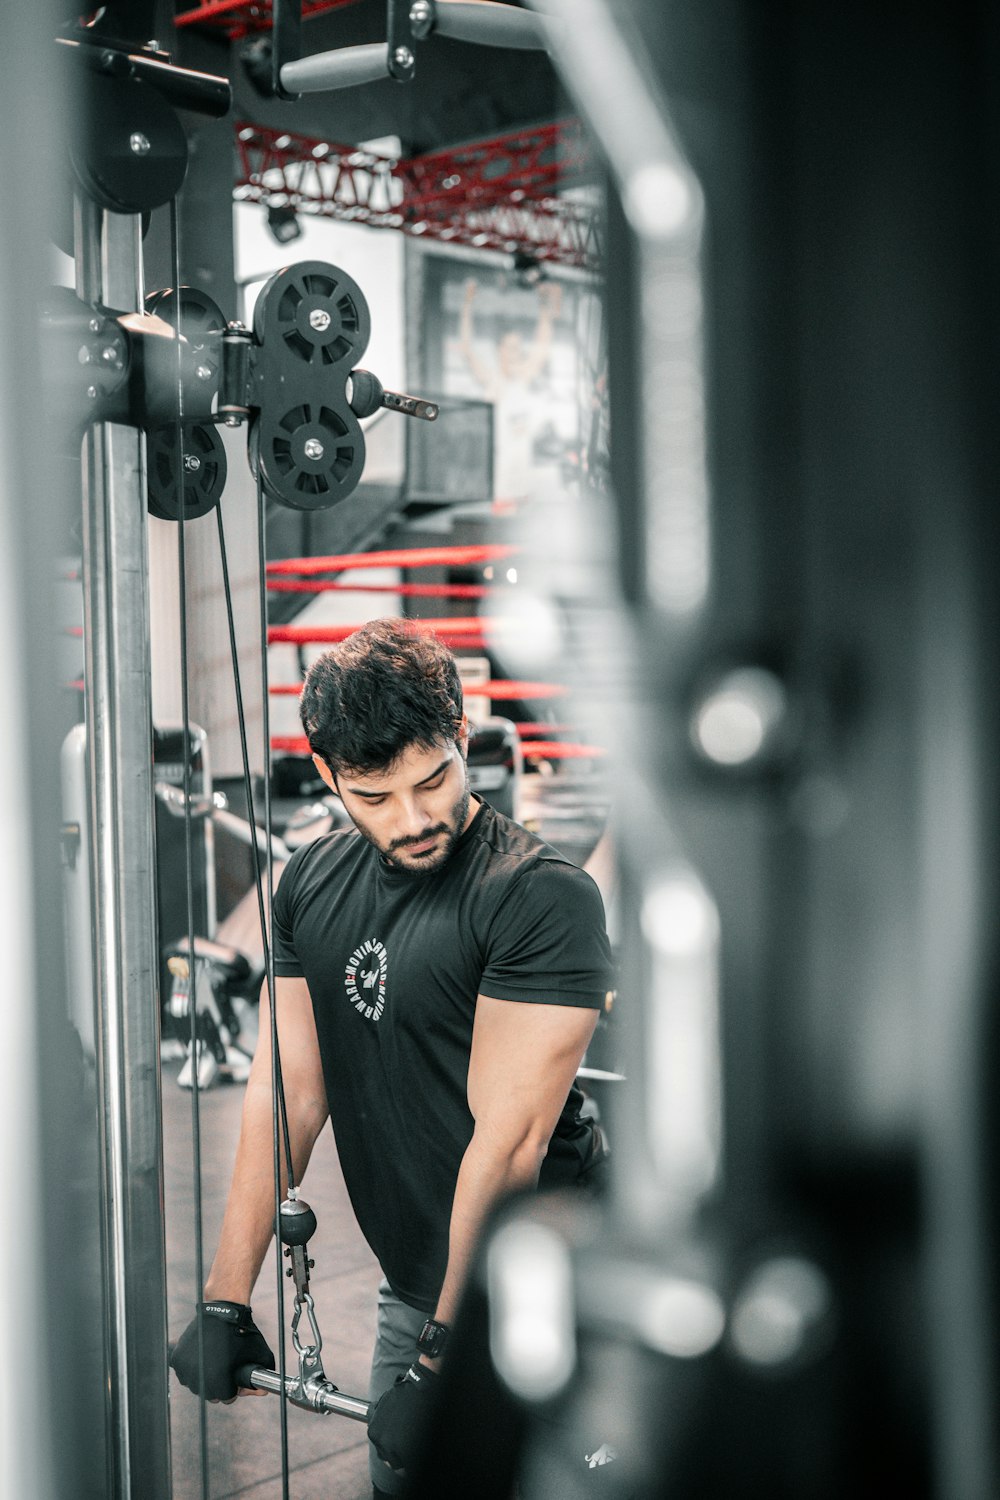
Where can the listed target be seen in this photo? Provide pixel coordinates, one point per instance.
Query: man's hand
(231, 1339)
(395, 1425)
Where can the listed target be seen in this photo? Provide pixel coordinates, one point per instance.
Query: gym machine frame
(128, 382)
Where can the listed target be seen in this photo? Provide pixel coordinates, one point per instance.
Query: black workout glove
(231, 1340)
(395, 1425)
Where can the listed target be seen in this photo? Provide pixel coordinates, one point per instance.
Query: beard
(424, 864)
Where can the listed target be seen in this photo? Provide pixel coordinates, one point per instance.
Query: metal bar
(204, 93)
(487, 24)
(45, 1137)
(343, 68)
(286, 44)
(120, 756)
(320, 1396)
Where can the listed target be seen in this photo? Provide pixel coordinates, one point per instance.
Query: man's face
(414, 813)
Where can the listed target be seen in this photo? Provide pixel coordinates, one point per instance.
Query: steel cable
(277, 1090)
(199, 1251)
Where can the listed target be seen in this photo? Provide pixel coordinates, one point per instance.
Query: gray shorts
(396, 1333)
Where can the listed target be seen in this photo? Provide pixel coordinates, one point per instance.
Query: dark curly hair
(383, 689)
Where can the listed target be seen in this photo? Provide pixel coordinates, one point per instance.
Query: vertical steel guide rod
(120, 789)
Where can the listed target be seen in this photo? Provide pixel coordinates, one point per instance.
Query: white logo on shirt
(365, 978)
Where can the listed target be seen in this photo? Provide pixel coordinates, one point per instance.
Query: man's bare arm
(480, 373)
(524, 1059)
(537, 357)
(249, 1218)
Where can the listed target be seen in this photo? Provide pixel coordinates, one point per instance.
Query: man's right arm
(249, 1218)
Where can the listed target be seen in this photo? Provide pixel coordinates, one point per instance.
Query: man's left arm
(523, 1062)
(524, 1059)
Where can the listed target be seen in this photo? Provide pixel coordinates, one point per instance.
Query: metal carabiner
(309, 1355)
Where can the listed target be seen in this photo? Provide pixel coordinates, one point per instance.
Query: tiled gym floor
(327, 1454)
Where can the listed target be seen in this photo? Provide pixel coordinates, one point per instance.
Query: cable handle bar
(311, 1394)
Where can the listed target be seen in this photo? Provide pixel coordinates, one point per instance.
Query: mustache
(409, 843)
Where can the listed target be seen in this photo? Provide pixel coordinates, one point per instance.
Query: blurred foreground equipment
(794, 1294)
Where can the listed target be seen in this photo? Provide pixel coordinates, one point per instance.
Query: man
(438, 975)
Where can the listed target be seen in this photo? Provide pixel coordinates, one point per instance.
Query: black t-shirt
(394, 962)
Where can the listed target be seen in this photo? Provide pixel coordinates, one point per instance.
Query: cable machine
(144, 381)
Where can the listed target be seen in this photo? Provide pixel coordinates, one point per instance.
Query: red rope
(293, 744)
(404, 590)
(517, 692)
(399, 557)
(556, 750)
(296, 744)
(499, 691)
(527, 729)
(462, 630)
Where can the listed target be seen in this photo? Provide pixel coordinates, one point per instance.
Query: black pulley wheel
(200, 318)
(131, 154)
(317, 313)
(309, 458)
(204, 471)
(311, 325)
(199, 314)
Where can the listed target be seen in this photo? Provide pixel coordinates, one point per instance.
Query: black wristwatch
(433, 1337)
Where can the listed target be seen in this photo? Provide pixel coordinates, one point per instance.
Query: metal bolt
(782, 1312)
(403, 57)
(84, 356)
(192, 462)
(203, 372)
(313, 448)
(109, 354)
(320, 319)
(232, 421)
(139, 143)
(421, 17)
(92, 392)
(94, 325)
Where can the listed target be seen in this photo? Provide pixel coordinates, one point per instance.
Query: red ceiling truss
(501, 194)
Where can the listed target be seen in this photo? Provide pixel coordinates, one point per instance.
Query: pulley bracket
(293, 376)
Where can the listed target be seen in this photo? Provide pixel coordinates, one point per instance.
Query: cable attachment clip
(311, 1372)
(296, 1227)
(309, 1388)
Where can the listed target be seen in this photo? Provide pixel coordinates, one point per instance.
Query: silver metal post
(120, 752)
